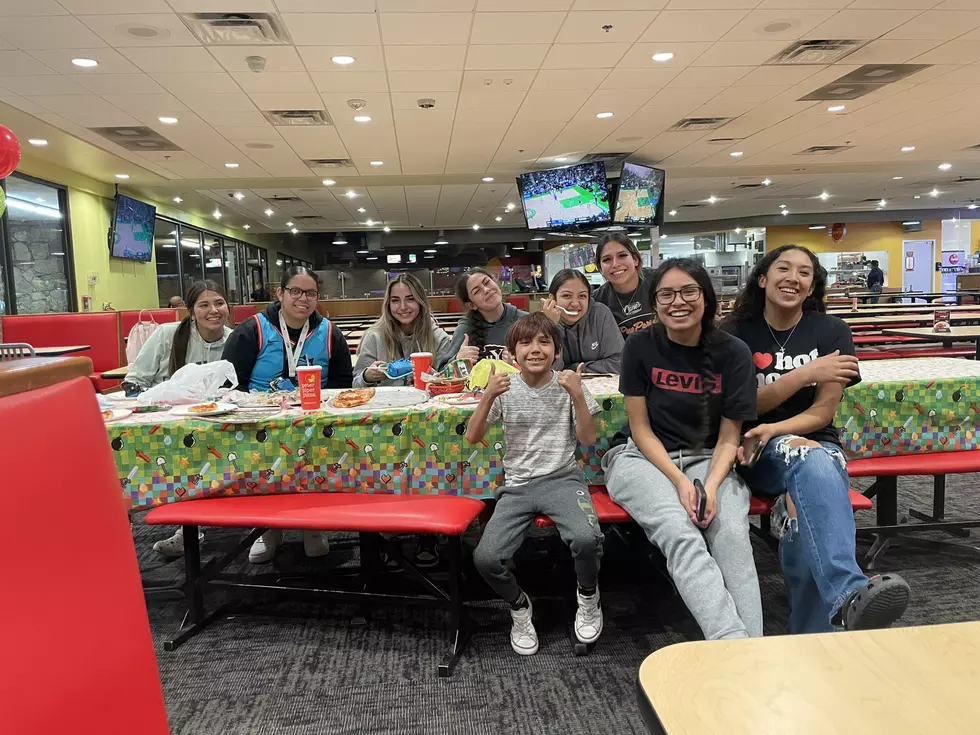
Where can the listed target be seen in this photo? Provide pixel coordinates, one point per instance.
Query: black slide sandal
(878, 604)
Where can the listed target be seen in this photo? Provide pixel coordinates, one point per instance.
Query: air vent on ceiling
(973, 147)
(815, 52)
(284, 199)
(329, 163)
(282, 118)
(236, 29)
(692, 124)
(307, 216)
(137, 138)
(691, 206)
(863, 80)
(747, 186)
(964, 180)
(824, 150)
(723, 141)
(610, 159)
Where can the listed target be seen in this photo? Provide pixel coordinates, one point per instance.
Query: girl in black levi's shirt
(803, 359)
(688, 388)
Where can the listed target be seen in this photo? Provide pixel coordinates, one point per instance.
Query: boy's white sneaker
(315, 544)
(523, 637)
(173, 547)
(265, 547)
(588, 617)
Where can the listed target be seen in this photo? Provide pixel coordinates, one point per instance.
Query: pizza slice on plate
(353, 398)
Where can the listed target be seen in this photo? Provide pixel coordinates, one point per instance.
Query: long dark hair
(298, 270)
(178, 354)
(751, 302)
(565, 275)
(478, 337)
(621, 239)
(706, 341)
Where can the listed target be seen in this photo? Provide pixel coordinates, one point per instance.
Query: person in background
(198, 338)
(176, 302)
(876, 280)
(482, 332)
(688, 388)
(545, 414)
(260, 294)
(804, 358)
(405, 326)
(591, 336)
(266, 350)
(627, 288)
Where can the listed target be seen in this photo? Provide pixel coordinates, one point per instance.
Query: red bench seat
(865, 355)
(884, 339)
(966, 351)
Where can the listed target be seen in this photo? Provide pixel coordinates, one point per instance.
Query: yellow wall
(862, 237)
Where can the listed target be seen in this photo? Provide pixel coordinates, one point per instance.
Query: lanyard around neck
(292, 354)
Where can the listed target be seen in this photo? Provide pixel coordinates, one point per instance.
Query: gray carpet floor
(302, 668)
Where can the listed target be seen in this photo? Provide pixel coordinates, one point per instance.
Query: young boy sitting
(543, 414)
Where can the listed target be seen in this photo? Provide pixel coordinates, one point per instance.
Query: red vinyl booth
(77, 652)
(241, 313)
(128, 319)
(521, 302)
(100, 331)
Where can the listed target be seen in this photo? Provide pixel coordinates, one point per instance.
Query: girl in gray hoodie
(591, 335)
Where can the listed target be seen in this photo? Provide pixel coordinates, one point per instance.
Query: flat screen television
(640, 197)
(568, 197)
(131, 236)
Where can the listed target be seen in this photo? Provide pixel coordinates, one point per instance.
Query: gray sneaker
(523, 636)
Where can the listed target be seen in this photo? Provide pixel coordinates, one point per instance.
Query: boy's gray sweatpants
(713, 569)
(565, 499)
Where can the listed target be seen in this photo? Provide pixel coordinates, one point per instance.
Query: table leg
(977, 354)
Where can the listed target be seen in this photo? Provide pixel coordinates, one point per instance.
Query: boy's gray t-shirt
(539, 429)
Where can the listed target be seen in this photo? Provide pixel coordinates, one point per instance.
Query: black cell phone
(702, 499)
(752, 450)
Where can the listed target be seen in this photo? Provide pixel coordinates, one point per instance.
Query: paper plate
(219, 409)
(385, 398)
(117, 413)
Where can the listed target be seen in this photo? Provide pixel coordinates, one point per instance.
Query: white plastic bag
(193, 383)
(138, 336)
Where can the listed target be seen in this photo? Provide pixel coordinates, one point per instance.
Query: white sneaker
(523, 636)
(265, 547)
(315, 544)
(588, 618)
(173, 547)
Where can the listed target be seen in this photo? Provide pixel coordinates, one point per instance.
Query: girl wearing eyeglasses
(267, 349)
(688, 388)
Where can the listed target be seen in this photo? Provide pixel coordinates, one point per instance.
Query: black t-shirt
(815, 335)
(632, 311)
(668, 375)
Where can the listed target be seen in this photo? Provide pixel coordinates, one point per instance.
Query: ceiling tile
(146, 104)
(941, 25)
(692, 25)
(287, 100)
(629, 4)
(327, 29)
(770, 25)
(895, 4)
(102, 119)
(318, 58)
(110, 7)
(110, 61)
(42, 84)
(234, 119)
(18, 8)
(210, 82)
(176, 60)
(716, 4)
(209, 101)
(584, 55)
(685, 54)
(588, 27)
(952, 52)
(491, 6)
(861, 23)
(115, 30)
(409, 100)
(277, 58)
(425, 58)
(639, 78)
(532, 27)
(354, 82)
(558, 79)
(709, 76)
(805, 5)
(243, 136)
(425, 81)
(546, 106)
(120, 84)
(512, 80)
(427, 29)
(314, 142)
(21, 103)
(52, 32)
(19, 63)
(506, 56)
(890, 52)
(378, 107)
(74, 103)
(223, 6)
(287, 81)
(326, 6)
(740, 53)
(777, 76)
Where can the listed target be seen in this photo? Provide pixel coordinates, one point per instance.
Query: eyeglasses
(665, 296)
(298, 292)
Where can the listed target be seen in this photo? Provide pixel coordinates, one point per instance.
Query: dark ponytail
(178, 353)
(707, 339)
(478, 336)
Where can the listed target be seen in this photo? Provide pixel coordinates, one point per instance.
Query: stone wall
(40, 278)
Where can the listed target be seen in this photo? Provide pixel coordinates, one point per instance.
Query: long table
(921, 405)
(901, 681)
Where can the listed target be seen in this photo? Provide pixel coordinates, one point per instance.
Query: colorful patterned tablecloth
(921, 405)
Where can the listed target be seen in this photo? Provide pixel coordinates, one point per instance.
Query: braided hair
(706, 340)
(480, 326)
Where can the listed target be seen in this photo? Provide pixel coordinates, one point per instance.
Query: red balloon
(9, 152)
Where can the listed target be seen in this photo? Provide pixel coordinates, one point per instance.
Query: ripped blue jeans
(816, 548)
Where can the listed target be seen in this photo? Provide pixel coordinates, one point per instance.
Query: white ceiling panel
(51, 32)
(177, 60)
(428, 29)
(314, 142)
(506, 56)
(209, 101)
(709, 76)
(692, 25)
(521, 5)
(639, 78)
(235, 119)
(243, 136)
(355, 82)
(277, 58)
(42, 84)
(120, 84)
(590, 27)
(17, 8)
(110, 7)
(558, 79)
(297, 81)
(287, 100)
(861, 23)
(329, 29)
(952, 52)
(19, 63)
(206, 83)
(147, 104)
(778, 25)
(319, 58)
(584, 55)
(740, 53)
(884, 51)
(941, 25)
(110, 61)
(425, 58)
(778, 76)
(114, 30)
(685, 54)
(544, 106)
(632, 4)
(425, 81)
(368, 144)
(489, 81)
(520, 28)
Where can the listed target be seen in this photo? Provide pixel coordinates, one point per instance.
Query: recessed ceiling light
(430, 251)
(972, 205)
(824, 196)
(387, 229)
(370, 223)
(247, 227)
(168, 120)
(294, 230)
(487, 179)
(561, 159)
(836, 108)
(934, 193)
(268, 213)
(673, 213)
(239, 196)
(817, 227)
(766, 182)
(39, 142)
(916, 197)
(736, 154)
(177, 200)
(908, 148)
(377, 163)
(738, 230)
(371, 257)
(122, 176)
(476, 227)
(216, 213)
(510, 206)
(343, 60)
(945, 166)
(329, 182)
(712, 199)
(662, 56)
(882, 203)
(362, 252)
(289, 224)
(499, 219)
(603, 115)
(362, 210)
(362, 118)
(231, 165)
(785, 211)
(782, 206)
(897, 178)
(351, 194)
(85, 63)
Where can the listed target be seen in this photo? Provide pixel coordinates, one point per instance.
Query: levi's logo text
(682, 382)
(780, 362)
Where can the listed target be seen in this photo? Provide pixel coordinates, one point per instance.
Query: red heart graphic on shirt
(762, 360)
(450, 477)
(943, 439)
(886, 440)
(320, 479)
(181, 492)
(385, 479)
(251, 485)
